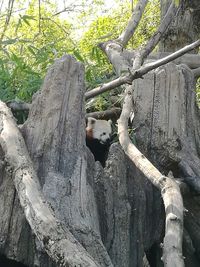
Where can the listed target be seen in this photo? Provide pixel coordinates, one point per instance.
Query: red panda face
(99, 129)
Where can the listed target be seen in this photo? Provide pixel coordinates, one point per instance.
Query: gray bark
(57, 119)
(168, 132)
(185, 28)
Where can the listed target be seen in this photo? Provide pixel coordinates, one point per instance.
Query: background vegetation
(33, 35)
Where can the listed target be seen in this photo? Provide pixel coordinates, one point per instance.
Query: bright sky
(76, 5)
(67, 3)
(74, 9)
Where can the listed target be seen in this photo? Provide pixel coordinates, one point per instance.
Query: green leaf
(26, 19)
(30, 48)
(9, 41)
(78, 55)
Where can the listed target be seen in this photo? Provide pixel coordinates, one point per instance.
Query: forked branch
(133, 23)
(140, 72)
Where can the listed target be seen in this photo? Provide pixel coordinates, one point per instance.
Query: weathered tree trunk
(168, 131)
(185, 28)
(55, 137)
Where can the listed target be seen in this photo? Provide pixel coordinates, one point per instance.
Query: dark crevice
(5, 262)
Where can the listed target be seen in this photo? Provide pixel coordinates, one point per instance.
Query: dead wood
(112, 114)
(139, 72)
(172, 248)
(51, 233)
(49, 132)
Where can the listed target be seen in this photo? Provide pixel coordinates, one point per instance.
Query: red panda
(98, 137)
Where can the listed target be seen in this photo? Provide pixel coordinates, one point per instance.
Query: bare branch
(139, 73)
(167, 59)
(106, 87)
(133, 22)
(58, 242)
(191, 60)
(151, 44)
(39, 16)
(9, 12)
(68, 9)
(113, 113)
(172, 250)
(196, 72)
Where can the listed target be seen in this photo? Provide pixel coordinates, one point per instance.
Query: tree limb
(133, 23)
(191, 60)
(196, 72)
(151, 44)
(113, 113)
(172, 249)
(57, 240)
(138, 73)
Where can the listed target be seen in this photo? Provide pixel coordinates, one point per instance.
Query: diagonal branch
(151, 44)
(141, 71)
(57, 240)
(196, 72)
(172, 250)
(133, 23)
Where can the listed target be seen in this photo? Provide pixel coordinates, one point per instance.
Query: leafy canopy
(28, 47)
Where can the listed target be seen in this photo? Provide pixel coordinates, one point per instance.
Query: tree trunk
(184, 29)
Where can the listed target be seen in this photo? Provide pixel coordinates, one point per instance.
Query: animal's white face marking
(101, 129)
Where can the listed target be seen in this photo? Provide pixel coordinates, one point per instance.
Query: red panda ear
(91, 120)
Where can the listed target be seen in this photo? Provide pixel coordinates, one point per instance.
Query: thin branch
(151, 44)
(68, 9)
(113, 113)
(9, 12)
(39, 16)
(13, 11)
(196, 72)
(150, 66)
(57, 240)
(139, 73)
(106, 87)
(133, 23)
(191, 60)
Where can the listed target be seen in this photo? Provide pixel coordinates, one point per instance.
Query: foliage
(34, 38)
(98, 69)
(29, 46)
